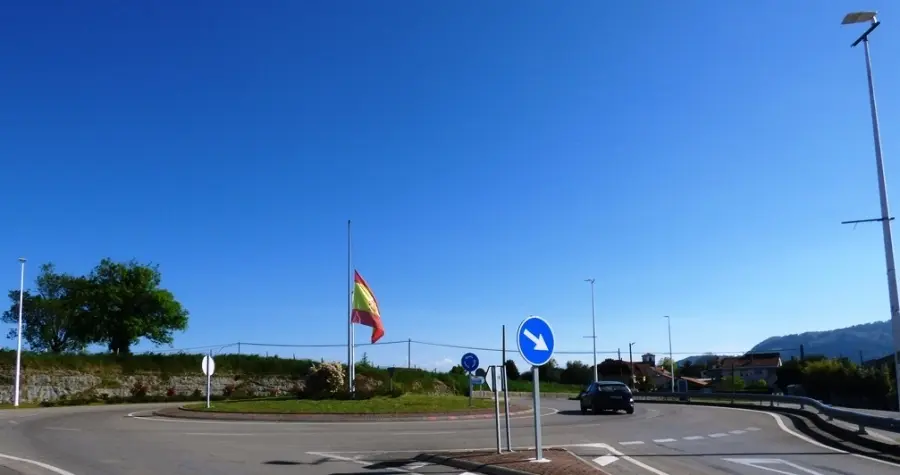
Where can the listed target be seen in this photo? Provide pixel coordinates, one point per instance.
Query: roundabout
(656, 439)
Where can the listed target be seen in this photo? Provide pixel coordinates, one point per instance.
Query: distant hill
(872, 339)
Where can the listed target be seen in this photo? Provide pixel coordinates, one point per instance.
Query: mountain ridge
(863, 342)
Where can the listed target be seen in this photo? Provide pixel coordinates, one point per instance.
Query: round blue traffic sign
(535, 340)
(469, 362)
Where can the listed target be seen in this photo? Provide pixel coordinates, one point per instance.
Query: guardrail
(830, 412)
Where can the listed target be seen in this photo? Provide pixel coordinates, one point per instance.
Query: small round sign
(469, 362)
(208, 365)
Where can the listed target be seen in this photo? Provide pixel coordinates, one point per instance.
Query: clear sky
(696, 159)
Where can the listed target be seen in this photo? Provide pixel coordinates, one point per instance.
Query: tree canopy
(115, 305)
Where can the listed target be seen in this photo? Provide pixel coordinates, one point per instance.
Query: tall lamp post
(593, 336)
(631, 364)
(19, 332)
(671, 359)
(870, 17)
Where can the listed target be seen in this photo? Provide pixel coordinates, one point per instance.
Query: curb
(468, 466)
(816, 419)
(182, 413)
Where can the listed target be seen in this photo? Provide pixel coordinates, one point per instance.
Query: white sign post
(209, 367)
(536, 343)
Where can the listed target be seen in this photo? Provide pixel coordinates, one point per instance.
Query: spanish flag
(365, 307)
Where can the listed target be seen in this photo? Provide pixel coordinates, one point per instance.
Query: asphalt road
(657, 439)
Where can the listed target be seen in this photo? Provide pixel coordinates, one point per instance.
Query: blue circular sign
(469, 362)
(535, 340)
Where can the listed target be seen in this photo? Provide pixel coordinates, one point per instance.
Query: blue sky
(696, 159)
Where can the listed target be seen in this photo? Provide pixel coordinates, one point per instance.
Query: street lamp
(631, 364)
(19, 333)
(593, 336)
(671, 360)
(870, 17)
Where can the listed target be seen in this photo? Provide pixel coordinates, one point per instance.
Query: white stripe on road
(56, 470)
(717, 435)
(605, 460)
(693, 437)
(753, 428)
(737, 432)
(626, 458)
(71, 429)
(632, 442)
(663, 441)
(414, 466)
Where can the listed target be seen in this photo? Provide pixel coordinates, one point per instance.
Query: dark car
(607, 395)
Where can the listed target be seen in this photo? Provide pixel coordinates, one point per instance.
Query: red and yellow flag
(365, 307)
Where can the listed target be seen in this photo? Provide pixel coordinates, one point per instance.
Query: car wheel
(595, 408)
(583, 410)
(630, 410)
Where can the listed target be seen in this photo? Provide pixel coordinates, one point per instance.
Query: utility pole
(631, 364)
(593, 336)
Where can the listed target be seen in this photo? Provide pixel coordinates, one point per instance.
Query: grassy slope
(246, 365)
(407, 404)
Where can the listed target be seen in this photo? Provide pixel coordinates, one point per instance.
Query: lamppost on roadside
(593, 336)
(671, 359)
(19, 332)
(631, 364)
(870, 17)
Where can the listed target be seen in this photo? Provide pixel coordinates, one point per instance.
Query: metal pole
(593, 332)
(506, 394)
(350, 362)
(208, 377)
(885, 219)
(19, 334)
(671, 359)
(496, 381)
(409, 353)
(536, 395)
(631, 365)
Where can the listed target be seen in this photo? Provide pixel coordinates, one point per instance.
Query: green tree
(666, 364)
(732, 383)
(53, 319)
(576, 372)
(550, 372)
(457, 370)
(512, 371)
(126, 304)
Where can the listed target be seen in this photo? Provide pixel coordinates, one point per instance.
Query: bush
(325, 380)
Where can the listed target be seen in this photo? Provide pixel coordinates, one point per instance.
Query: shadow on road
(294, 462)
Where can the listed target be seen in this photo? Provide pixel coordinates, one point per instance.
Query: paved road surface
(656, 440)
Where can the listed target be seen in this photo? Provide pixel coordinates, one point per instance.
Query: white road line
(438, 432)
(717, 435)
(737, 432)
(627, 458)
(361, 462)
(784, 428)
(632, 442)
(150, 418)
(70, 429)
(415, 466)
(56, 470)
(15, 423)
(663, 441)
(693, 437)
(605, 460)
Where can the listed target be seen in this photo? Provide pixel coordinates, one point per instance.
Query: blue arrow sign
(469, 362)
(535, 339)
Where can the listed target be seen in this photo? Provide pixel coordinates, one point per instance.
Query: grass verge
(406, 404)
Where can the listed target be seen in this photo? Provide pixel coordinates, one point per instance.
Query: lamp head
(859, 17)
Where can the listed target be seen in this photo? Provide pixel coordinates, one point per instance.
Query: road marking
(628, 459)
(605, 460)
(229, 434)
(632, 442)
(717, 435)
(70, 429)
(737, 432)
(15, 423)
(694, 437)
(361, 462)
(43, 465)
(663, 441)
(783, 427)
(415, 466)
(761, 464)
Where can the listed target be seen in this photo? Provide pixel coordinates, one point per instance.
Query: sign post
(209, 367)
(536, 343)
(469, 364)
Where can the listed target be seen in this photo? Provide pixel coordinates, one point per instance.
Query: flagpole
(351, 370)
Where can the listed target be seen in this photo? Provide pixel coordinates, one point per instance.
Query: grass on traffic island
(406, 404)
(558, 462)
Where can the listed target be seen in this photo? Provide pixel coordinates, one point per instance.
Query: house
(749, 367)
